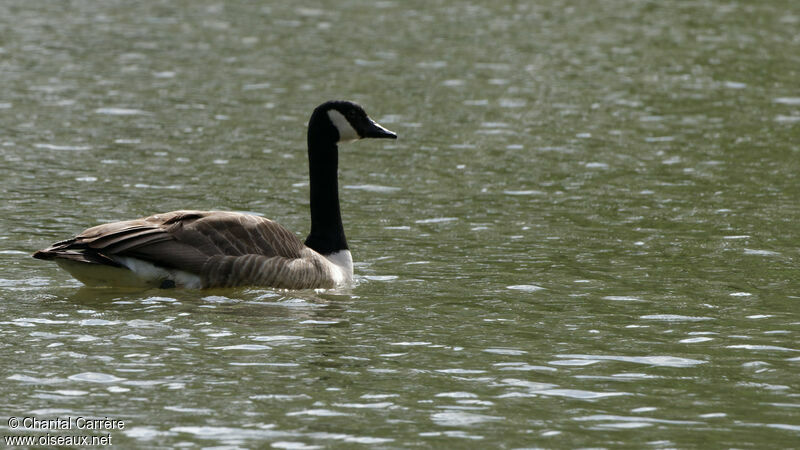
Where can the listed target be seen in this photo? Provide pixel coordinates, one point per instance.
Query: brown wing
(184, 240)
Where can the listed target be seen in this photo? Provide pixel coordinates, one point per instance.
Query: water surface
(584, 237)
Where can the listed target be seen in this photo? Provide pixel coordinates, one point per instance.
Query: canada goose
(202, 249)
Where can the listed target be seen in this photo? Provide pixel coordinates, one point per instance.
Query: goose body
(203, 249)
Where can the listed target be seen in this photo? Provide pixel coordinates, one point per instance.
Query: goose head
(344, 121)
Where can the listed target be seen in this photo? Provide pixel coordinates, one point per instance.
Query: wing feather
(185, 240)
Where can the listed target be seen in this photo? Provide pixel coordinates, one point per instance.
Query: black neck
(327, 232)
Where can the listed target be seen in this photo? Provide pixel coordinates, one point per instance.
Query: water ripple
(525, 287)
(224, 433)
(35, 380)
(350, 438)
(794, 101)
(30, 321)
(379, 405)
(505, 351)
(320, 412)
(659, 361)
(763, 347)
(523, 367)
(63, 147)
(675, 318)
(243, 347)
(634, 419)
(121, 112)
(372, 188)
(579, 394)
(457, 395)
(98, 322)
(460, 418)
(95, 377)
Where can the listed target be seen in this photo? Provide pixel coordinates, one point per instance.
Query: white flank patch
(346, 131)
(342, 270)
(137, 273)
(152, 274)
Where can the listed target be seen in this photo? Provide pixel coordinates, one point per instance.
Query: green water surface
(585, 236)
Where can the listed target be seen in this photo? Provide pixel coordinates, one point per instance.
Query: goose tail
(71, 250)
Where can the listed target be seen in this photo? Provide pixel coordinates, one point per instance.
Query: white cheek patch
(346, 131)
